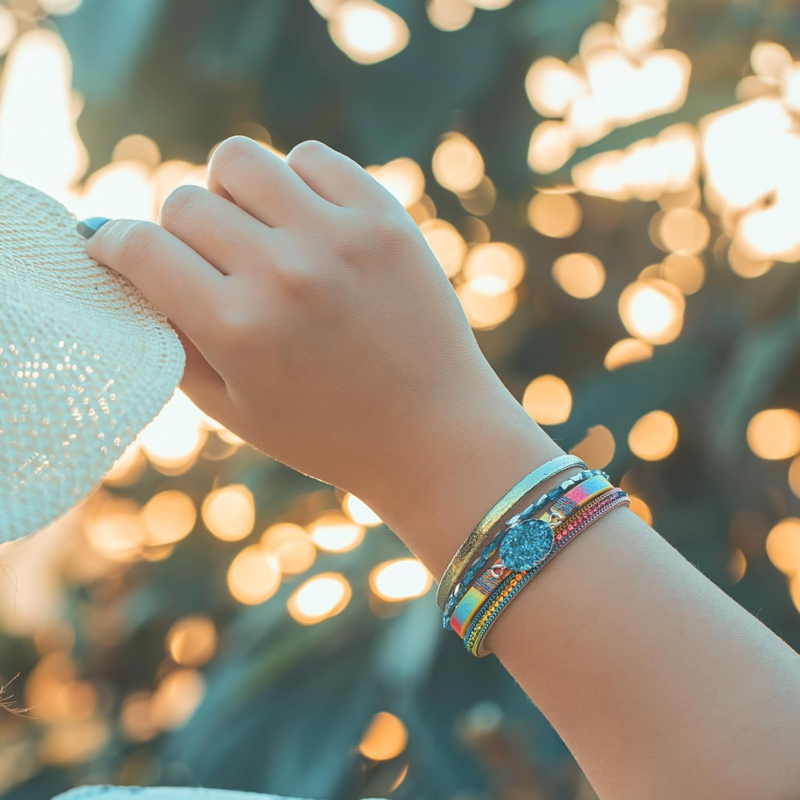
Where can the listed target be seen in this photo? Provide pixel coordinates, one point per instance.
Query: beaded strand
(461, 587)
(516, 581)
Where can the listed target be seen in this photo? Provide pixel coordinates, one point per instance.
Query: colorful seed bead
(506, 592)
(523, 546)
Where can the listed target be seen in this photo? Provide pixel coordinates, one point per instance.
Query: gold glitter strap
(466, 553)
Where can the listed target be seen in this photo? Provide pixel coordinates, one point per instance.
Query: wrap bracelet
(524, 545)
(515, 581)
(461, 587)
(466, 553)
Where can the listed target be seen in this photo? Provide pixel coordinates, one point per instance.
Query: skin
(319, 326)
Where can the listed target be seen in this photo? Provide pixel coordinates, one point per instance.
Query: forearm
(658, 682)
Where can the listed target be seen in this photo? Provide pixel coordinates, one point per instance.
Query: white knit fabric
(85, 362)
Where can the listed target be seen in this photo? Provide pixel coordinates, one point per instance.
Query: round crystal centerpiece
(526, 544)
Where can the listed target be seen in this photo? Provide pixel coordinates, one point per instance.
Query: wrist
(463, 464)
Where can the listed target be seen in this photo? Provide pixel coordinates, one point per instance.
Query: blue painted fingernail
(88, 227)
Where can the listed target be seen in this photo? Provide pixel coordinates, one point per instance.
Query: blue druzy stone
(526, 544)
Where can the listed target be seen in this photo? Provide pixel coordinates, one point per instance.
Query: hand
(319, 325)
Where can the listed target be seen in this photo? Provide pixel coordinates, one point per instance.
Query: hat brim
(85, 363)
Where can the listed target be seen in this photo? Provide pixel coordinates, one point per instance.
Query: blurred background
(613, 189)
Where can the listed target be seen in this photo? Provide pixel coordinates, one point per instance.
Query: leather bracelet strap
(473, 542)
(478, 594)
(505, 593)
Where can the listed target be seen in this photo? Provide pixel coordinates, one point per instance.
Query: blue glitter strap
(466, 581)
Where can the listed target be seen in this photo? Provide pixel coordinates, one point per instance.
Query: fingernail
(88, 227)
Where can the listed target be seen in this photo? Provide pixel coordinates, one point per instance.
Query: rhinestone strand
(550, 497)
(507, 591)
(510, 588)
(562, 537)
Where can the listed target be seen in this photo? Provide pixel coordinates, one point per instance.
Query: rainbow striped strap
(523, 546)
(488, 550)
(473, 542)
(515, 581)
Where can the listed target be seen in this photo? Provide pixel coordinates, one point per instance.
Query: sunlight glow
(367, 31)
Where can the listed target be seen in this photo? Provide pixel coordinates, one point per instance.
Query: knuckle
(308, 152)
(232, 152)
(137, 242)
(296, 279)
(391, 228)
(181, 203)
(231, 323)
(366, 238)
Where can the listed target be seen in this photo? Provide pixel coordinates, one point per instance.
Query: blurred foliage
(286, 704)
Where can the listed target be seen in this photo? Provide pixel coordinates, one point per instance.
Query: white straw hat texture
(85, 362)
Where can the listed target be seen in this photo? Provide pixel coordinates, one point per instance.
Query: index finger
(172, 276)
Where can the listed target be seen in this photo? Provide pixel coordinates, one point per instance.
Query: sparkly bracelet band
(467, 551)
(461, 587)
(512, 585)
(516, 581)
(524, 545)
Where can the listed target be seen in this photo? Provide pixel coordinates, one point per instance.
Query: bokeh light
(367, 31)
(401, 579)
(783, 545)
(484, 306)
(551, 146)
(597, 448)
(554, 214)
(775, 433)
(336, 533)
(290, 546)
(192, 641)
(794, 476)
(685, 271)
(684, 230)
(320, 598)
(450, 15)
(580, 275)
(385, 738)
(491, 5)
(176, 698)
(403, 177)
(494, 268)
(8, 28)
(770, 61)
(654, 436)
(59, 6)
(359, 511)
(173, 439)
(746, 265)
(115, 528)
(548, 400)
(457, 163)
(652, 310)
(641, 509)
(253, 576)
(137, 147)
(552, 86)
(447, 244)
(136, 717)
(169, 517)
(229, 513)
(627, 351)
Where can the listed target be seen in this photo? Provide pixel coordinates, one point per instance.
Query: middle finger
(215, 228)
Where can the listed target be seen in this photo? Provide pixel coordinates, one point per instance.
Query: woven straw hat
(85, 362)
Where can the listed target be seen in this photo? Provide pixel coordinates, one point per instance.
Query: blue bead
(526, 544)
